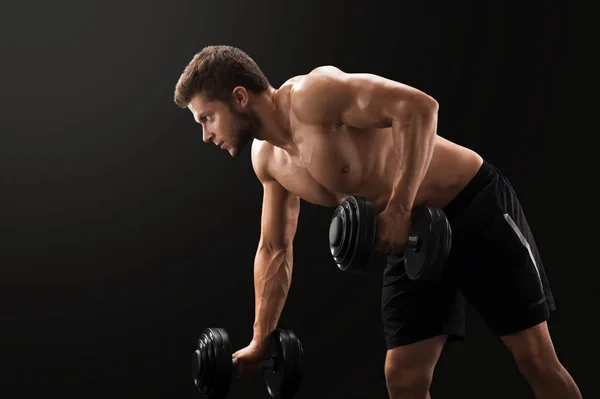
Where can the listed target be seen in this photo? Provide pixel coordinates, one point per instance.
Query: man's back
(341, 147)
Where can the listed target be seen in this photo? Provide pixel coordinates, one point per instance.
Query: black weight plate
(433, 266)
(416, 258)
(207, 370)
(353, 250)
(361, 226)
(209, 375)
(339, 215)
(364, 238)
(342, 253)
(297, 362)
(224, 363)
(196, 364)
(445, 242)
(448, 235)
(435, 258)
(353, 225)
(289, 386)
(445, 245)
(213, 353)
(214, 377)
(348, 236)
(214, 374)
(199, 364)
(288, 366)
(274, 379)
(206, 380)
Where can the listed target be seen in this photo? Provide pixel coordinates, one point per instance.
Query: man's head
(216, 86)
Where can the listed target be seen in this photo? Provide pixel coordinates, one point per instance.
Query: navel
(346, 168)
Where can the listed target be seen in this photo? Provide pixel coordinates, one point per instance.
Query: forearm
(414, 140)
(272, 279)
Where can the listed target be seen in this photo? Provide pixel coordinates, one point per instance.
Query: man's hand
(247, 362)
(392, 231)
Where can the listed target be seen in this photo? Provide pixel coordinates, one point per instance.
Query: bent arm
(414, 142)
(367, 101)
(274, 257)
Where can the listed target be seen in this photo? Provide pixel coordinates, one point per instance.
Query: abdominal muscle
(325, 172)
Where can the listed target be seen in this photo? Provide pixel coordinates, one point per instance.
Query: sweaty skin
(322, 137)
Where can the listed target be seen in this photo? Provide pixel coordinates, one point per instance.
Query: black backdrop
(123, 236)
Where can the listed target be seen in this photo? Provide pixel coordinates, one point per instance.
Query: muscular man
(327, 135)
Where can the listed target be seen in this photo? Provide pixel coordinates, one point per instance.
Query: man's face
(224, 125)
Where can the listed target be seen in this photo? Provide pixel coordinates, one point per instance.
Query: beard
(245, 127)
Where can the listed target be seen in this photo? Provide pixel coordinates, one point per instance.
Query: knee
(537, 364)
(406, 381)
(409, 369)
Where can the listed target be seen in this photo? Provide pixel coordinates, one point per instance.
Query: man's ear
(240, 96)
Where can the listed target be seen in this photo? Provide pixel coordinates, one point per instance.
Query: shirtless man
(327, 135)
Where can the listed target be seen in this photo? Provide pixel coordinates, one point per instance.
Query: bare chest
(331, 164)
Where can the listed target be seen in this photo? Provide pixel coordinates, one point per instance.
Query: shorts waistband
(483, 176)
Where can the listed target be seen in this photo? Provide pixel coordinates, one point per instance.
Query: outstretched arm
(274, 256)
(330, 96)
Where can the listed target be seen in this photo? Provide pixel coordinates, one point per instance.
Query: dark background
(123, 236)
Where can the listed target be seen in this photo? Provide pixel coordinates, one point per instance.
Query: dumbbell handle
(267, 364)
(413, 242)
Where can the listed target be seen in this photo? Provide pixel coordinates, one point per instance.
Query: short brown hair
(215, 71)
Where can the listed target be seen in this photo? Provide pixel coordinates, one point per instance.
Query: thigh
(502, 274)
(413, 311)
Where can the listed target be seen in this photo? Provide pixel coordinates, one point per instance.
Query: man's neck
(273, 113)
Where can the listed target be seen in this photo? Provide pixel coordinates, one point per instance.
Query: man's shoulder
(261, 155)
(326, 71)
(321, 71)
(317, 78)
(316, 96)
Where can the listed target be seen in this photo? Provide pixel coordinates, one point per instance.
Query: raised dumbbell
(352, 234)
(212, 364)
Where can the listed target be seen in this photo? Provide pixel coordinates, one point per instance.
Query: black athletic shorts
(494, 264)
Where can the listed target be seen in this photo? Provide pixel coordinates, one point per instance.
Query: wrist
(398, 209)
(260, 336)
(260, 340)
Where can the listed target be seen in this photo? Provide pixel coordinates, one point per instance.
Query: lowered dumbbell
(352, 234)
(212, 364)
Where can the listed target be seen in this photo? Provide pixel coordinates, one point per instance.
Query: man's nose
(207, 136)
